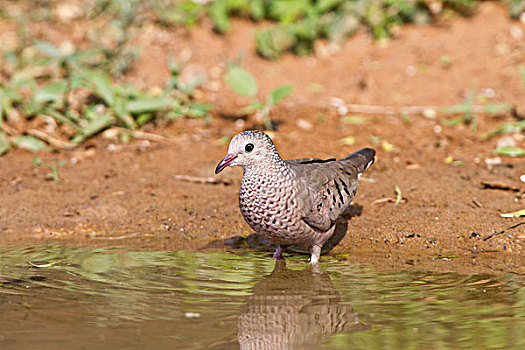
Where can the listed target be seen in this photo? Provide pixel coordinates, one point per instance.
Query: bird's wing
(327, 187)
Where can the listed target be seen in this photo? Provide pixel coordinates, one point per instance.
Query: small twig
(141, 135)
(497, 185)
(477, 203)
(51, 140)
(388, 200)
(149, 136)
(370, 109)
(204, 180)
(367, 179)
(9, 130)
(125, 236)
(503, 231)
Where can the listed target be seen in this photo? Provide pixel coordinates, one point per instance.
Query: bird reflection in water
(290, 308)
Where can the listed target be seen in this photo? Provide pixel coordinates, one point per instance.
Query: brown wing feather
(328, 187)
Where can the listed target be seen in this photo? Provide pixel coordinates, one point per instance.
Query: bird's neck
(274, 167)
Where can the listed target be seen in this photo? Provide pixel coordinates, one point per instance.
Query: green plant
(468, 112)
(244, 83)
(509, 128)
(79, 89)
(399, 195)
(82, 97)
(53, 167)
(301, 22)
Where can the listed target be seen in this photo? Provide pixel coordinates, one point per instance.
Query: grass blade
(509, 151)
(30, 143)
(241, 81)
(279, 94)
(151, 105)
(102, 122)
(5, 144)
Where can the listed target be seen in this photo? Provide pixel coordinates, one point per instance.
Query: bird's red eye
(249, 147)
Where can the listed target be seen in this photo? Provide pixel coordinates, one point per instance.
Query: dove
(294, 201)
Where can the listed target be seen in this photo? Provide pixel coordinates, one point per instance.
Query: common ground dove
(293, 201)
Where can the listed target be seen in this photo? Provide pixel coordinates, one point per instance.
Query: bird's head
(248, 148)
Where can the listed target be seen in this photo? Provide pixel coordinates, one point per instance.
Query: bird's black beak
(225, 162)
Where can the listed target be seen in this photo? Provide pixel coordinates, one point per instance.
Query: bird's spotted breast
(268, 205)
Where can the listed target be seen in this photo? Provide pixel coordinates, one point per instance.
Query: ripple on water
(110, 298)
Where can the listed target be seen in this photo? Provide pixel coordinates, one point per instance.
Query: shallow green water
(55, 297)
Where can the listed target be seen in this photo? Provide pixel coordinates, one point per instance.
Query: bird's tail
(362, 159)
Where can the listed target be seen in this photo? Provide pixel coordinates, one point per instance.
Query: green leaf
(150, 105)
(347, 141)
(515, 214)
(199, 110)
(102, 85)
(96, 125)
(48, 49)
(271, 43)
(323, 6)
(29, 143)
(5, 144)
(218, 13)
(399, 196)
(123, 116)
(52, 92)
(279, 94)
(509, 151)
(387, 146)
(289, 10)
(257, 9)
(497, 108)
(452, 121)
(59, 117)
(252, 107)
(144, 118)
(506, 128)
(355, 119)
(241, 81)
(461, 108)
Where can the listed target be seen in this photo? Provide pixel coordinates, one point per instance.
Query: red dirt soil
(126, 194)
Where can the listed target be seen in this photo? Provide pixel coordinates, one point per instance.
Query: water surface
(77, 298)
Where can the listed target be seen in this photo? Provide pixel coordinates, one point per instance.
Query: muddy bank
(124, 194)
(447, 220)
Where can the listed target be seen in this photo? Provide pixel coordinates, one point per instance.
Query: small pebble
(192, 315)
(522, 178)
(304, 124)
(411, 71)
(342, 110)
(144, 144)
(429, 113)
(489, 93)
(506, 141)
(111, 133)
(239, 124)
(493, 161)
(66, 48)
(336, 102)
(112, 147)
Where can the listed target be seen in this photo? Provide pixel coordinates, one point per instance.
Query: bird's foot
(278, 253)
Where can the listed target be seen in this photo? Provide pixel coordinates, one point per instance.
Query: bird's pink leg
(316, 254)
(278, 253)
